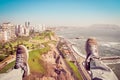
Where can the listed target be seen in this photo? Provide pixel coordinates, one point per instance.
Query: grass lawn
(2, 57)
(9, 66)
(35, 63)
(75, 70)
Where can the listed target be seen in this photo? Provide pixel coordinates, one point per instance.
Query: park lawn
(2, 57)
(27, 43)
(38, 37)
(75, 70)
(9, 66)
(35, 62)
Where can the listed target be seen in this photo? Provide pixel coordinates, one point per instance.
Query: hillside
(45, 61)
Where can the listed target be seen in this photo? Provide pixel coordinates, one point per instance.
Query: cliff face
(54, 66)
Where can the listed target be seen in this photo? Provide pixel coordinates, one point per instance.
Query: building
(27, 24)
(7, 32)
(3, 36)
(26, 31)
(21, 30)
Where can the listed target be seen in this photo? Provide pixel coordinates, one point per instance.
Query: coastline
(78, 52)
(72, 45)
(78, 59)
(74, 48)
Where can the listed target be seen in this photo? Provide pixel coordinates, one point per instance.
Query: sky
(60, 12)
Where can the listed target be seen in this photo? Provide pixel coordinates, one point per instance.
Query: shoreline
(74, 48)
(72, 45)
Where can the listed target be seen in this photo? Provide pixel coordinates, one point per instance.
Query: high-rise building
(28, 24)
(22, 30)
(7, 31)
(3, 35)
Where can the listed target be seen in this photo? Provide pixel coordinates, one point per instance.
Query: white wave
(110, 44)
(107, 45)
(77, 51)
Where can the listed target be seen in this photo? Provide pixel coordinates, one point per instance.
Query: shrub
(2, 57)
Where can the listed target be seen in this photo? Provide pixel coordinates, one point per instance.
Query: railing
(110, 58)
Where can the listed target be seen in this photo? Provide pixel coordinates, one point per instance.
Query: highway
(79, 61)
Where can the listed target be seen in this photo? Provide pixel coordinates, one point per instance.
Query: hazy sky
(61, 12)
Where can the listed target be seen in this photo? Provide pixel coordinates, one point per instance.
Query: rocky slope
(56, 69)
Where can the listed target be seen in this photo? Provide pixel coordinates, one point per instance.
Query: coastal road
(82, 69)
(79, 61)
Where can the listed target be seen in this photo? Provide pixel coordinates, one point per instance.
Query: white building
(26, 31)
(7, 32)
(21, 30)
(3, 36)
(39, 28)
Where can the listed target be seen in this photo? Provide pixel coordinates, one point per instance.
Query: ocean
(108, 39)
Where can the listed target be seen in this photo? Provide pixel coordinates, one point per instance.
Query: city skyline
(60, 12)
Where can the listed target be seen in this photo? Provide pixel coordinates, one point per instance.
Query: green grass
(38, 38)
(9, 66)
(75, 70)
(2, 57)
(35, 62)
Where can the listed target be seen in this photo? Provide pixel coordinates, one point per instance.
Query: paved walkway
(8, 60)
